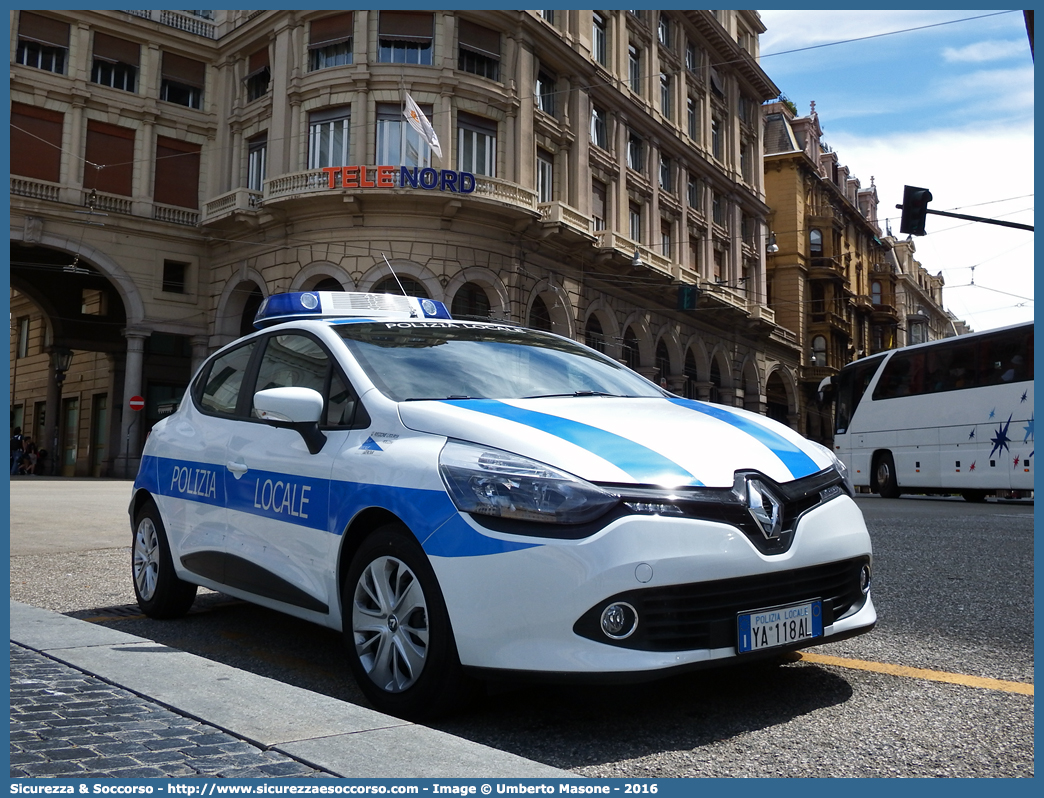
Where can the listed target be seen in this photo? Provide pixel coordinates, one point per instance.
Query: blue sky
(949, 108)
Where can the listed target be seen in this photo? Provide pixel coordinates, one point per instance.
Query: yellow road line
(919, 673)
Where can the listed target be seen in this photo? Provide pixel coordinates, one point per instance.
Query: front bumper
(519, 610)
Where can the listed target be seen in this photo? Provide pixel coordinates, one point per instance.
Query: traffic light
(687, 296)
(915, 209)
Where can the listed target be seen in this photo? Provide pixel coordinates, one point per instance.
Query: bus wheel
(974, 495)
(884, 476)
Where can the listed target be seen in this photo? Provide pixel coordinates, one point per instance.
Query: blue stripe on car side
(797, 462)
(320, 504)
(641, 463)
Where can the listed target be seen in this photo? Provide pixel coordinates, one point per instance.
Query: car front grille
(703, 615)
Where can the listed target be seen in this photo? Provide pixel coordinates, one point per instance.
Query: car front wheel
(397, 631)
(159, 592)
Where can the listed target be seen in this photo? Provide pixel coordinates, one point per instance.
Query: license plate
(779, 626)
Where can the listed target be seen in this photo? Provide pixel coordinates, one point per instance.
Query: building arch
(720, 375)
(238, 296)
(610, 327)
(639, 325)
(315, 274)
(402, 268)
(133, 304)
(559, 308)
(496, 291)
(781, 393)
(751, 377)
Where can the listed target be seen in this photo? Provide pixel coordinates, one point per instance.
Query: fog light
(864, 579)
(619, 620)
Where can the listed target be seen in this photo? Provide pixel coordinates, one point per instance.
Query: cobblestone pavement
(68, 724)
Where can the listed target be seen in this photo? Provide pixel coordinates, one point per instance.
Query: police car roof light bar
(302, 305)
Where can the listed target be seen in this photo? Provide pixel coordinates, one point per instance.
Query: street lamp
(772, 247)
(61, 359)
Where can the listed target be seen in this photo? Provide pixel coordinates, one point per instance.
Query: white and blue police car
(467, 500)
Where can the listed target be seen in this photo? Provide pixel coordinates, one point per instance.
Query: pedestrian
(30, 457)
(17, 450)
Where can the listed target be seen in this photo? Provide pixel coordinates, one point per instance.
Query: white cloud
(963, 168)
(985, 51)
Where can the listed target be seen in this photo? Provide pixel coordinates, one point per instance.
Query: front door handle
(237, 469)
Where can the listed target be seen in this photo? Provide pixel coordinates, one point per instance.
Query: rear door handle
(238, 469)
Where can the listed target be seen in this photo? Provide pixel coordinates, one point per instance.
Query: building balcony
(557, 217)
(35, 189)
(182, 20)
(830, 319)
(884, 314)
(240, 204)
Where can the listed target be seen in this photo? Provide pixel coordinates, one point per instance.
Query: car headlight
(493, 482)
(841, 468)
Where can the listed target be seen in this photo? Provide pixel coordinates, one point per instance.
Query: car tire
(160, 593)
(397, 630)
(974, 496)
(884, 476)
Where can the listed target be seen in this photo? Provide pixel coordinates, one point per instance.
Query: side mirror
(293, 408)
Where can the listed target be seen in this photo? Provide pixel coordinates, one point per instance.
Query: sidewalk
(93, 702)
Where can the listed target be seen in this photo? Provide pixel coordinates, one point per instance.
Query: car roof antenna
(394, 274)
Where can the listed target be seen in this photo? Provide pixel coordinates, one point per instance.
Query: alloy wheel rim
(390, 624)
(146, 558)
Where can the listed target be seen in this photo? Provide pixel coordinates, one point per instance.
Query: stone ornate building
(170, 169)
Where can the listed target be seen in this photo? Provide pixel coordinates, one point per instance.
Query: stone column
(130, 426)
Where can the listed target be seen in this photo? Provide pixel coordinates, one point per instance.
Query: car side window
(292, 361)
(219, 391)
(344, 408)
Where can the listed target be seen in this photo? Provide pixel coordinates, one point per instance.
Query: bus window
(852, 384)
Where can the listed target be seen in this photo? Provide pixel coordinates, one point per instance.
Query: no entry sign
(136, 403)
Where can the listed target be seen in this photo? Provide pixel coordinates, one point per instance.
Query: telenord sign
(399, 177)
(136, 403)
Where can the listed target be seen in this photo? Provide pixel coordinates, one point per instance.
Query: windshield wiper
(574, 393)
(452, 397)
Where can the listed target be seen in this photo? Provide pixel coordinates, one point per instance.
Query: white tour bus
(950, 416)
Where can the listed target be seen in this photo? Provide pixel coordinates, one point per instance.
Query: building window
(694, 192)
(394, 132)
(593, 335)
(599, 39)
(257, 156)
(747, 110)
(665, 95)
(692, 57)
(412, 287)
(665, 238)
(598, 204)
(665, 173)
(23, 337)
(716, 138)
(694, 254)
(545, 176)
(479, 50)
(329, 137)
(634, 69)
(634, 221)
(174, 276)
(719, 265)
(599, 129)
(815, 243)
(111, 149)
(115, 62)
(716, 84)
(476, 144)
(182, 81)
(545, 93)
(717, 209)
(918, 332)
(631, 355)
(548, 16)
(635, 153)
(470, 301)
(692, 118)
(259, 75)
(176, 179)
(539, 315)
(330, 41)
(43, 43)
(819, 351)
(746, 161)
(663, 31)
(36, 142)
(875, 293)
(405, 37)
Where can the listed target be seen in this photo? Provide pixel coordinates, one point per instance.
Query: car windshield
(411, 361)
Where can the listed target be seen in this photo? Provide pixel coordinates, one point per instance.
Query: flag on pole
(419, 122)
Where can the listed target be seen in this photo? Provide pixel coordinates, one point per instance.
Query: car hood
(646, 441)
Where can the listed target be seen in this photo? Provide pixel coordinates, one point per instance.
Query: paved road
(953, 585)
